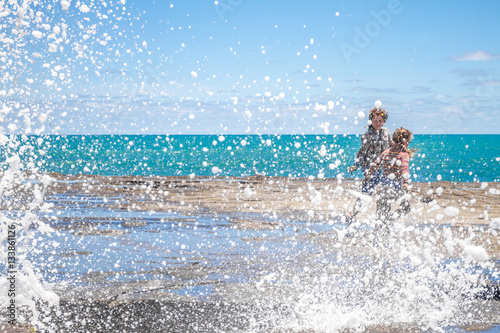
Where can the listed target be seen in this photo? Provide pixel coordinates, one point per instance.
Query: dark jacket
(373, 143)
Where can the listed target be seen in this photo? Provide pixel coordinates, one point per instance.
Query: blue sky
(241, 66)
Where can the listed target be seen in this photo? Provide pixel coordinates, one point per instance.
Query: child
(373, 142)
(393, 182)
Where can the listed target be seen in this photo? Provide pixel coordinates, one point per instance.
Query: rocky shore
(315, 199)
(260, 202)
(287, 235)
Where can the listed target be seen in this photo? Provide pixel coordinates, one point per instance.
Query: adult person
(374, 141)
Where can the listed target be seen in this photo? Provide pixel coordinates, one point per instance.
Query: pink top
(394, 163)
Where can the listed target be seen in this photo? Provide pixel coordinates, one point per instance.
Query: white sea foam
(452, 211)
(45, 63)
(365, 198)
(495, 224)
(248, 193)
(84, 8)
(37, 34)
(478, 253)
(65, 4)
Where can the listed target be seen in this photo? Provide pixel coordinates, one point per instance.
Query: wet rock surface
(256, 254)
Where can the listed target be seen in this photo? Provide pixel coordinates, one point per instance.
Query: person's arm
(361, 155)
(375, 165)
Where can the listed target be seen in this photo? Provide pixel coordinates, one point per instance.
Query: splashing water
(22, 195)
(305, 273)
(43, 45)
(401, 277)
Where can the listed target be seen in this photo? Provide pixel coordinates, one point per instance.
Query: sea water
(461, 158)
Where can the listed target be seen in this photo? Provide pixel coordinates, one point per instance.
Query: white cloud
(476, 56)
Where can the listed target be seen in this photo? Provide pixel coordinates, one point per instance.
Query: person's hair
(401, 137)
(378, 112)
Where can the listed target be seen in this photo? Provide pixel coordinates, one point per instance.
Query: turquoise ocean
(462, 158)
